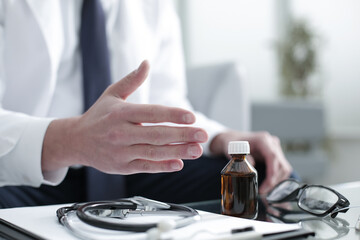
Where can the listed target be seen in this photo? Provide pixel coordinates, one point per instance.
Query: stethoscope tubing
(187, 214)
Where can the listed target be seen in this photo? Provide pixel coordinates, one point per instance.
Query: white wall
(338, 22)
(232, 30)
(243, 30)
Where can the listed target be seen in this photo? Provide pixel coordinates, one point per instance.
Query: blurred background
(300, 62)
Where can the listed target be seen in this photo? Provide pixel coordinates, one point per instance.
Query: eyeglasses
(314, 199)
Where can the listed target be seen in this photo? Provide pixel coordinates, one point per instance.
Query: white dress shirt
(41, 79)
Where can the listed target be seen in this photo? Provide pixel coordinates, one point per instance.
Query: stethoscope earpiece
(153, 234)
(162, 227)
(166, 225)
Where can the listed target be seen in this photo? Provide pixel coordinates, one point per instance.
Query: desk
(42, 222)
(39, 218)
(341, 228)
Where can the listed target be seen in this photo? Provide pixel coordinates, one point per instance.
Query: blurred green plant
(298, 59)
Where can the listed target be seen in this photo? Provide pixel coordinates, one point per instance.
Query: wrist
(58, 145)
(219, 143)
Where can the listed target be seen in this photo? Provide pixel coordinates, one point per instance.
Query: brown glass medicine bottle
(239, 186)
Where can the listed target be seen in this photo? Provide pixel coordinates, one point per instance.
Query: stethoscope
(109, 215)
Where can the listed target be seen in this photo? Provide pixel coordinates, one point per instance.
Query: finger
(131, 82)
(149, 113)
(276, 140)
(160, 153)
(269, 181)
(163, 135)
(274, 174)
(148, 166)
(251, 160)
(266, 186)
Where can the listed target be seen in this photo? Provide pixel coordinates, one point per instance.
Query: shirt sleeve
(21, 138)
(167, 77)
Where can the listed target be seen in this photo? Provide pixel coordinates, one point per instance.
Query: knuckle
(265, 135)
(157, 134)
(151, 113)
(126, 108)
(154, 135)
(276, 139)
(181, 152)
(150, 153)
(113, 115)
(184, 135)
(112, 136)
(127, 111)
(271, 155)
(288, 170)
(132, 167)
(164, 167)
(160, 155)
(146, 166)
(128, 79)
(116, 136)
(119, 113)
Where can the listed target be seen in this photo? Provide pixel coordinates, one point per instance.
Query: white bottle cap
(239, 147)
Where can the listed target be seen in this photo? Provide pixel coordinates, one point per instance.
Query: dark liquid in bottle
(239, 195)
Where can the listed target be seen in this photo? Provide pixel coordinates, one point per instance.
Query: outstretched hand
(110, 135)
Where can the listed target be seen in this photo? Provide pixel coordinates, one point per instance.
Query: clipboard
(11, 231)
(296, 234)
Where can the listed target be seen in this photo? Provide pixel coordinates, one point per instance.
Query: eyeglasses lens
(283, 190)
(317, 200)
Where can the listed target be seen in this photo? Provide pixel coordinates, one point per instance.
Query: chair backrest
(219, 92)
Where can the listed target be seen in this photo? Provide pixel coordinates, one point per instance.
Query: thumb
(131, 82)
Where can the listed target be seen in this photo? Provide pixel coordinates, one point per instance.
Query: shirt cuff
(212, 133)
(26, 156)
(213, 128)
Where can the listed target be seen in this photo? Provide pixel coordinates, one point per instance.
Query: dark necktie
(96, 77)
(95, 54)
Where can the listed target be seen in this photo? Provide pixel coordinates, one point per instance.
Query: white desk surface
(43, 222)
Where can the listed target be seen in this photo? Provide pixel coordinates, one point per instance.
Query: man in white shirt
(43, 130)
